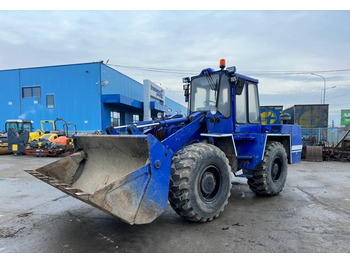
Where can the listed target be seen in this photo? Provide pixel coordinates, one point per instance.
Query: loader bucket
(124, 175)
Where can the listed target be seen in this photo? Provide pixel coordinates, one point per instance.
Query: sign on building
(157, 92)
(150, 89)
(345, 117)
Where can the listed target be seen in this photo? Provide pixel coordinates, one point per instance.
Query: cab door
(247, 108)
(221, 121)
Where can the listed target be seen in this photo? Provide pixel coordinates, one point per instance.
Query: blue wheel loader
(133, 171)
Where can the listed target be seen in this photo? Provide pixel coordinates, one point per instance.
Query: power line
(300, 72)
(338, 96)
(261, 72)
(296, 73)
(159, 70)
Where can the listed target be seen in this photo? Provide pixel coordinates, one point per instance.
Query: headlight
(159, 115)
(213, 110)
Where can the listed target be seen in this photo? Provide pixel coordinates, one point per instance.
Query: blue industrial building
(91, 95)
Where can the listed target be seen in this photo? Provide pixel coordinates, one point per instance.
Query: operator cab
(211, 92)
(19, 125)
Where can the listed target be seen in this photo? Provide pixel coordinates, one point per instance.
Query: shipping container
(270, 114)
(311, 116)
(313, 120)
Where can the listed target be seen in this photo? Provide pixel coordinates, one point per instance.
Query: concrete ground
(312, 214)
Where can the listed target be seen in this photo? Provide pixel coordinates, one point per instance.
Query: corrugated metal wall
(9, 96)
(77, 90)
(120, 84)
(76, 93)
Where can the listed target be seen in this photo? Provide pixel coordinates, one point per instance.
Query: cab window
(241, 105)
(224, 103)
(27, 126)
(253, 104)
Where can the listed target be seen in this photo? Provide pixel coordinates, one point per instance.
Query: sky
(280, 48)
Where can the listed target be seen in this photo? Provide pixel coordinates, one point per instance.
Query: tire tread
(181, 169)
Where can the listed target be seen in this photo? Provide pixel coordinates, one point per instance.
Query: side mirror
(239, 86)
(186, 80)
(186, 92)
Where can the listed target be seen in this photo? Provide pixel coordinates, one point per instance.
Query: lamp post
(325, 92)
(324, 88)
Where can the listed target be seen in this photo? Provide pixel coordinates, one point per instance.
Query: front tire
(271, 179)
(200, 182)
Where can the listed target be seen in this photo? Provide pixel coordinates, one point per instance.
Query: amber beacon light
(222, 63)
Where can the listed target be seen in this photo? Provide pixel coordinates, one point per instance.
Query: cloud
(254, 41)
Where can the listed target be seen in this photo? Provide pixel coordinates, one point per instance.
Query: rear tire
(271, 179)
(200, 182)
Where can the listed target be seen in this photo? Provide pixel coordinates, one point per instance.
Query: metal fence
(327, 136)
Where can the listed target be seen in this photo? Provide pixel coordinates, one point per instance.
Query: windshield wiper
(213, 86)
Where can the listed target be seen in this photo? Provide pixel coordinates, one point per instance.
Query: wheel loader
(188, 160)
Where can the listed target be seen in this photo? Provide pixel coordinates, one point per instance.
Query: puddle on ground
(4, 166)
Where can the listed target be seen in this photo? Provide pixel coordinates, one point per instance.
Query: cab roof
(19, 121)
(211, 71)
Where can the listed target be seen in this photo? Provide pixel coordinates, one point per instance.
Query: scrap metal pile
(340, 152)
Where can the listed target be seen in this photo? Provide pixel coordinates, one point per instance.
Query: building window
(115, 118)
(50, 101)
(27, 92)
(135, 118)
(33, 91)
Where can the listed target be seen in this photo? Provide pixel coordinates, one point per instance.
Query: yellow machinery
(18, 126)
(39, 133)
(42, 122)
(53, 143)
(48, 134)
(16, 142)
(44, 133)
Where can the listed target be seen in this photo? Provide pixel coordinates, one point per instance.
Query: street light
(325, 92)
(324, 88)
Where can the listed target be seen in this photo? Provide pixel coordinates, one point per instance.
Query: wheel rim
(276, 169)
(209, 183)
